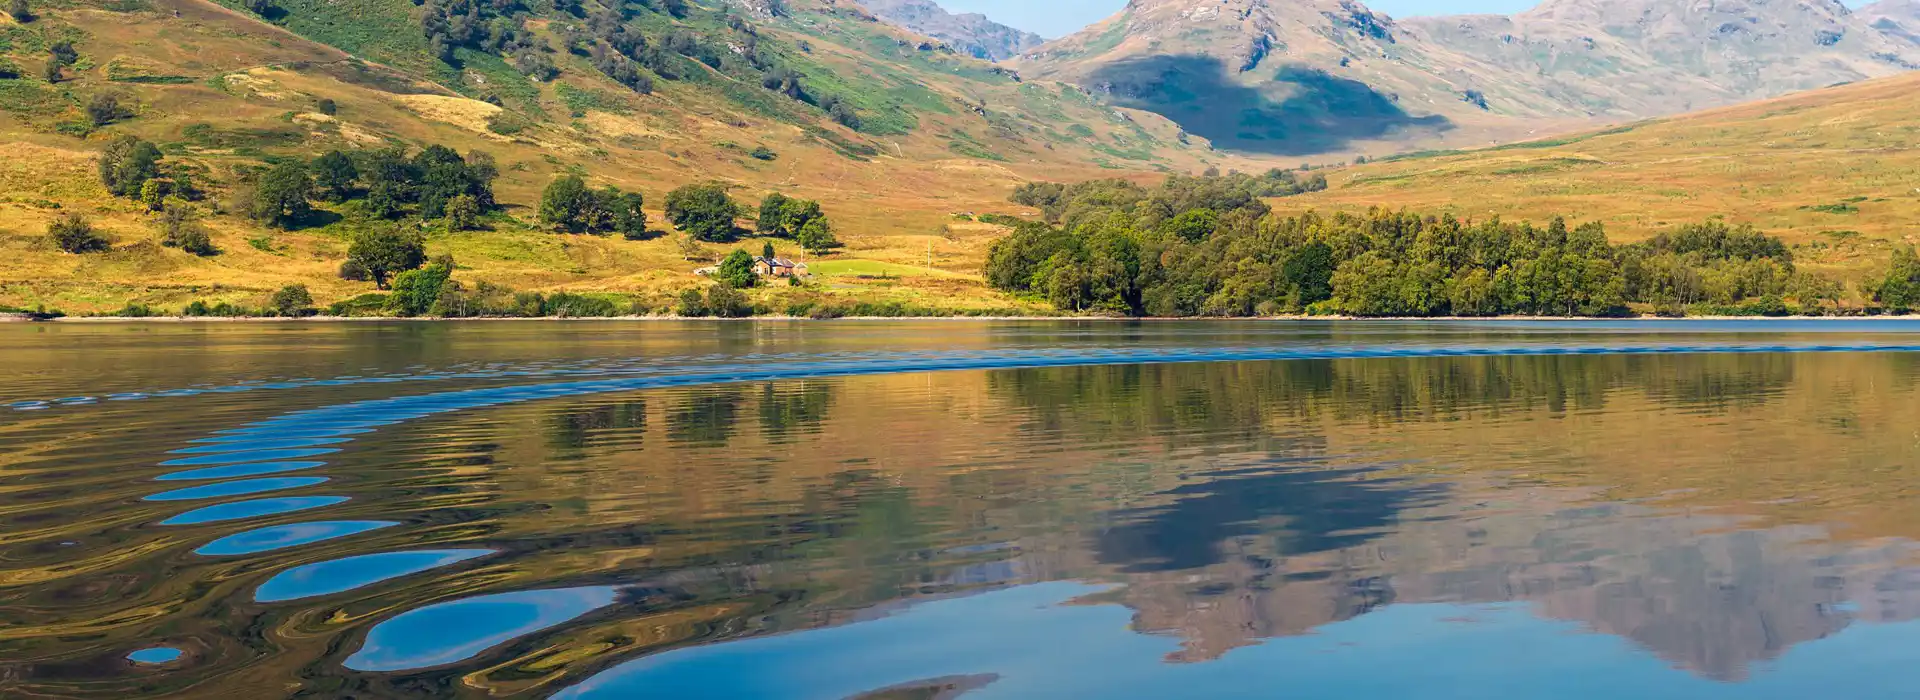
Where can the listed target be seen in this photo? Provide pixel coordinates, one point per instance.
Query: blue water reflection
(268, 539)
(252, 509)
(231, 471)
(446, 633)
(339, 575)
(156, 655)
(1036, 642)
(236, 488)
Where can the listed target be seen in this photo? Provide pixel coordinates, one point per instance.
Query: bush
(566, 305)
(182, 230)
(105, 108)
(326, 106)
(74, 234)
(200, 309)
(727, 302)
(691, 304)
(132, 310)
(764, 153)
(363, 305)
(291, 301)
(415, 291)
(21, 11)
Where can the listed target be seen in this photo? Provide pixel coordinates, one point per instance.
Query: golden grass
(1770, 164)
(1759, 163)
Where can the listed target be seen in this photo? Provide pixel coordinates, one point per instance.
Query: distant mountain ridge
(969, 32)
(1300, 77)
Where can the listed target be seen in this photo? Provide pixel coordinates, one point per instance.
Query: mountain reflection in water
(1114, 510)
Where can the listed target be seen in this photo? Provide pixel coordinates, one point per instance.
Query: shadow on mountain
(1320, 113)
(1302, 510)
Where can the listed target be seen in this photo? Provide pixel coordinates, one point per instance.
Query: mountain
(1300, 77)
(812, 98)
(1637, 58)
(1896, 18)
(970, 32)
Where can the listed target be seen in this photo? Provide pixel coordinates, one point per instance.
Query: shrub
(764, 153)
(105, 108)
(74, 234)
(291, 301)
(355, 271)
(182, 230)
(21, 11)
(691, 304)
(415, 291)
(727, 302)
(566, 305)
(326, 106)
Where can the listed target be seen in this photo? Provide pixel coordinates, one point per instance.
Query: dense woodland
(1209, 246)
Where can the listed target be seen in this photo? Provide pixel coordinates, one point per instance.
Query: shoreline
(23, 318)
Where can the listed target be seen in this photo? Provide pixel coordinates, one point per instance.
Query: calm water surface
(934, 510)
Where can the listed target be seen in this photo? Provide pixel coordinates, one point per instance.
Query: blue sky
(1056, 18)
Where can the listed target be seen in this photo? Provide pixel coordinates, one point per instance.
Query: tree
(415, 291)
(334, 175)
(463, 213)
(567, 203)
(817, 237)
(153, 193)
(772, 220)
(182, 229)
(384, 252)
(105, 108)
(766, 250)
(705, 212)
(626, 214)
(291, 301)
(280, 197)
(1900, 289)
(74, 234)
(737, 271)
(127, 164)
(21, 11)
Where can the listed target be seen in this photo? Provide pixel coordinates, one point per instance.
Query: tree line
(1209, 246)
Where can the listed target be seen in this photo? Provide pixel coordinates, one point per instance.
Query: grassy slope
(252, 86)
(1834, 172)
(241, 90)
